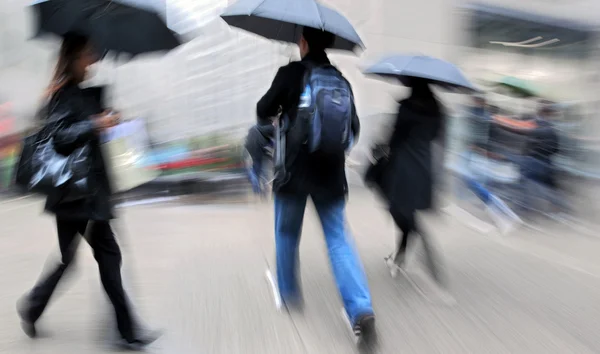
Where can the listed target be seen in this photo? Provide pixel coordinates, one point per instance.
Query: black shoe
(294, 305)
(27, 324)
(364, 330)
(140, 343)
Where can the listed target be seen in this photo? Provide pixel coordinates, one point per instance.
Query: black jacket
(310, 174)
(71, 109)
(544, 142)
(406, 180)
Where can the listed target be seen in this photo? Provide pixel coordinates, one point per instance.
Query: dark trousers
(409, 228)
(107, 254)
(407, 225)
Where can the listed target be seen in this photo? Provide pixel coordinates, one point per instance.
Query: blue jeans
(347, 268)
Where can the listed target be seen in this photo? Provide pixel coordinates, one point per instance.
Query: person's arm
(355, 125)
(268, 106)
(72, 135)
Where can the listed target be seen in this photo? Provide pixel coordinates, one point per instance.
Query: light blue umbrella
(436, 71)
(283, 20)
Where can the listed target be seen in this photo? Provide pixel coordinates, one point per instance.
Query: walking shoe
(395, 263)
(295, 304)
(27, 324)
(363, 329)
(140, 343)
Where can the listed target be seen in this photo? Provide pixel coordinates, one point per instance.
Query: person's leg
(406, 226)
(533, 173)
(347, 268)
(432, 257)
(34, 303)
(108, 255)
(289, 215)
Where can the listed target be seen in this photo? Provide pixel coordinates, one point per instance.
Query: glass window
(491, 28)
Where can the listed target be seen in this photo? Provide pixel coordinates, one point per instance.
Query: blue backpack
(327, 106)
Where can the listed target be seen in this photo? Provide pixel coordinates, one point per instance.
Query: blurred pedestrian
(405, 177)
(479, 120)
(78, 120)
(314, 166)
(537, 169)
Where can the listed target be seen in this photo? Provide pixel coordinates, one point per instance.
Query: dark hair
(318, 40)
(72, 45)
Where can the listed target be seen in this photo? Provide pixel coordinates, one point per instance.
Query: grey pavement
(198, 272)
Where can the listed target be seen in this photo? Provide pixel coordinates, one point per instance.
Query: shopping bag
(125, 148)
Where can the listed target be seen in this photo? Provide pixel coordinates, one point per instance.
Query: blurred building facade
(214, 81)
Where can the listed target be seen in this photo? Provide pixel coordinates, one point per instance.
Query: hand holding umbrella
(106, 120)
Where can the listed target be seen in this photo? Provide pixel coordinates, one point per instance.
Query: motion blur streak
(517, 187)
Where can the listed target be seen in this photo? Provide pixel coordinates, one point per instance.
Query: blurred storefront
(555, 58)
(213, 82)
(10, 143)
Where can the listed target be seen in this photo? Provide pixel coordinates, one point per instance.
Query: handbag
(43, 170)
(23, 171)
(378, 167)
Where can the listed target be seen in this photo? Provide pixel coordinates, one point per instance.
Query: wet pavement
(196, 269)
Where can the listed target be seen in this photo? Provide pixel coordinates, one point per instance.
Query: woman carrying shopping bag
(81, 204)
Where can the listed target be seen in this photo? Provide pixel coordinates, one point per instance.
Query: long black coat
(406, 180)
(71, 109)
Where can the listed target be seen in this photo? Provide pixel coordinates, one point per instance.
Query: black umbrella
(111, 25)
(283, 20)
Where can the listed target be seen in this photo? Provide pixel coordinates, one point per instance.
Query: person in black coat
(405, 177)
(77, 118)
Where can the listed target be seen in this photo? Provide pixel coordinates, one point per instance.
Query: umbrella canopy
(178, 17)
(112, 26)
(518, 87)
(282, 20)
(59, 17)
(436, 71)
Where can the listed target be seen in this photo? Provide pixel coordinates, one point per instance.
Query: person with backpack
(317, 127)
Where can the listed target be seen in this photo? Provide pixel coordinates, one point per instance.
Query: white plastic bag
(125, 148)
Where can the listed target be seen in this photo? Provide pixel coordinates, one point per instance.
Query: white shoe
(274, 290)
(395, 264)
(506, 223)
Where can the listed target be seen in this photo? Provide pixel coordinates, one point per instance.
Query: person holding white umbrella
(404, 176)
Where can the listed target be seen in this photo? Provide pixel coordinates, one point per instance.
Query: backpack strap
(308, 68)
